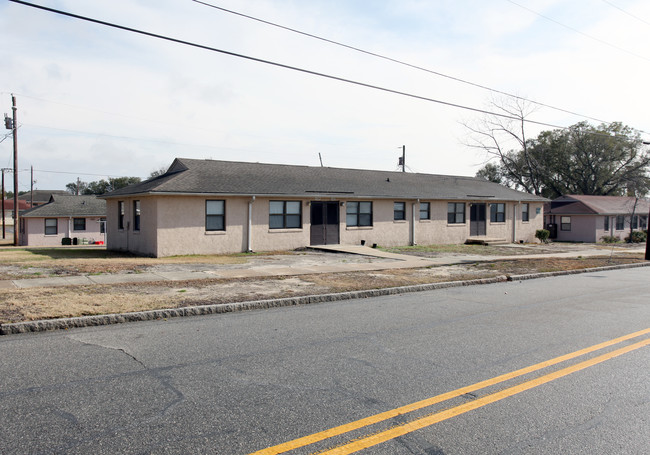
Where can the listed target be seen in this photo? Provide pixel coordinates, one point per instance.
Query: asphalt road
(242, 382)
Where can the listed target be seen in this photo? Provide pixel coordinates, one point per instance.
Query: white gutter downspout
(413, 223)
(249, 243)
(69, 227)
(514, 222)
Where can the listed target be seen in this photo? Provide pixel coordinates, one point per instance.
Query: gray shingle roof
(189, 176)
(600, 205)
(68, 205)
(42, 196)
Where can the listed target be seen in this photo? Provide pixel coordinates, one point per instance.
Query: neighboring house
(578, 218)
(9, 210)
(41, 197)
(217, 207)
(79, 218)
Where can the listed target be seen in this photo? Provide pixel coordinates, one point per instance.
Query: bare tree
(605, 160)
(503, 137)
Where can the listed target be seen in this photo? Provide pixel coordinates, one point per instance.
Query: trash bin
(66, 241)
(552, 229)
(75, 241)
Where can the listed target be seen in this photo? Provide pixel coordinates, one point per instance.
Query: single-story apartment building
(580, 218)
(81, 219)
(220, 207)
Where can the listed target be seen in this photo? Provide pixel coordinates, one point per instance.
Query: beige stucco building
(78, 219)
(218, 207)
(581, 218)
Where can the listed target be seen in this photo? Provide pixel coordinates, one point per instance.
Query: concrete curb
(532, 276)
(107, 319)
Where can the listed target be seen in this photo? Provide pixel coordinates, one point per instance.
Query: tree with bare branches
(608, 159)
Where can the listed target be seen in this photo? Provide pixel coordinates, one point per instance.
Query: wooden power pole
(15, 136)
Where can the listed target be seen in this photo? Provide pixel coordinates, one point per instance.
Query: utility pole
(12, 124)
(16, 206)
(31, 190)
(647, 228)
(402, 161)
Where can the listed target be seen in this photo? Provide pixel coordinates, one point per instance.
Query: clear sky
(96, 102)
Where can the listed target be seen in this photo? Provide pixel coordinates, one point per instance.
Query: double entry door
(477, 219)
(324, 223)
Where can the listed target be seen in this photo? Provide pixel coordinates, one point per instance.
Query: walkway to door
(367, 251)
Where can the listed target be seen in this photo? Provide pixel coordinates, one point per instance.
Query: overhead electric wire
(281, 65)
(400, 62)
(138, 139)
(626, 12)
(90, 109)
(114, 136)
(579, 32)
(71, 173)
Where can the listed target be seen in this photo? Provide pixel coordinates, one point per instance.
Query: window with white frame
(399, 211)
(525, 213)
(51, 226)
(120, 215)
(565, 223)
(79, 224)
(358, 213)
(425, 210)
(456, 212)
(498, 213)
(215, 215)
(620, 222)
(136, 215)
(285, 214)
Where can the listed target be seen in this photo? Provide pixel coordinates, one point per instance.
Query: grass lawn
(39, 262)
(44, 303)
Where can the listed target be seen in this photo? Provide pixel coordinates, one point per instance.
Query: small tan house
(580, 218)
(78, 218)
(217, 207)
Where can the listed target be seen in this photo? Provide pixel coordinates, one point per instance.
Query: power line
(281, 65)
(400, 62)
(175, 124)
(72, 173)
(578, 31)
(627, 12)
(117, 114)
(140, 139)
(114, 136)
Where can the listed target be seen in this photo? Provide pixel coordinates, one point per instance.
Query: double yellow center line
(431, 419)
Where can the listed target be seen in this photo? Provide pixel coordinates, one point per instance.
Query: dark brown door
(324, 223)
(477, 219)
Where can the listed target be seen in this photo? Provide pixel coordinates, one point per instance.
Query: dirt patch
(511, 249)
(45, 303)
(52, 262)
